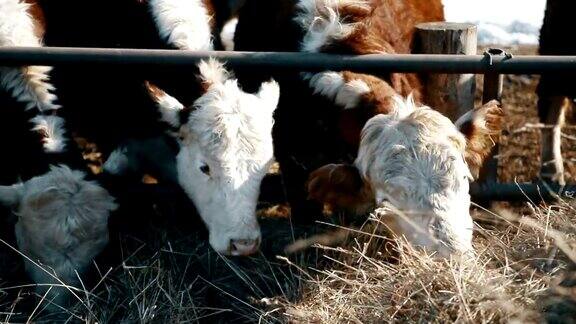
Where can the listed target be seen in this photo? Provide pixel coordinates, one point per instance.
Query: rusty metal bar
(479, 64)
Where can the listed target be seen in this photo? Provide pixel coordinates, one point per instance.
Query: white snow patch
(515, 33)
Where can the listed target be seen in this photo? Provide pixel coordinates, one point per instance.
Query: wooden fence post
(451, 94)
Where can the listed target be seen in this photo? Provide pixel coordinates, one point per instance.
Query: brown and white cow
(406, 155)
(414, 163)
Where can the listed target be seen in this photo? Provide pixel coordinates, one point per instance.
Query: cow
(219, 150)
(405, 154)
(414, 162)
(555, 93)
(53, 214)
(225, 150)
(62, 226)
(217, 138)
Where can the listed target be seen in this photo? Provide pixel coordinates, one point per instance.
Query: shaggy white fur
(183, 23)
(213, 72)
(413, 157)
(225, 152)
(62, 224)
(322, 23)
(227, 34)
(414, 160)
(325, 83)
(29, 84)
(332, 86)
(52, 130)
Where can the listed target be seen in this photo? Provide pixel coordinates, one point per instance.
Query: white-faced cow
(225, 150)
(406, 154)
(224, 140)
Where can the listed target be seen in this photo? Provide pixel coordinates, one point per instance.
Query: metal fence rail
(477, 64)
(492, 65)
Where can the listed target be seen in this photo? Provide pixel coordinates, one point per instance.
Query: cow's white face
(414, 159)
(225, 152)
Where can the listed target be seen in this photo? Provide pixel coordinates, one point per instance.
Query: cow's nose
(244, 247)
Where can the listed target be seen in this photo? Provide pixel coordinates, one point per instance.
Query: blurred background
(505, 22)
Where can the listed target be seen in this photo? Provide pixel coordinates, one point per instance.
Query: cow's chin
(230, 217)
(241, 241)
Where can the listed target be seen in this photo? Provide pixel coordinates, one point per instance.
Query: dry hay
(517, 275)
(524, 271)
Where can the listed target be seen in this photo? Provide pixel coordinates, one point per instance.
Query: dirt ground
(519, 156)
(162, 270)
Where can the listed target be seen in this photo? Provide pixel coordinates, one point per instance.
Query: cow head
(62, 223)
(225, 152)
(418, 162)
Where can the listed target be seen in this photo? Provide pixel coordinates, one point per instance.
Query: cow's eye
(205, 169)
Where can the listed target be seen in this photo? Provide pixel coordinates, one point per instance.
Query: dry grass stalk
(517, 258)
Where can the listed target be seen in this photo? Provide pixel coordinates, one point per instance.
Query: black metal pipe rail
(536, 192)
(409, 63)
(477, 64)
(273, 184)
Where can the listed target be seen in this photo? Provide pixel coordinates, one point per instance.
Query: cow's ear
(335, 179)
(482, 128)
(212, 72)
(269, 93)
(346, 178)
(169, 107)
(340, 186)
(11, 196)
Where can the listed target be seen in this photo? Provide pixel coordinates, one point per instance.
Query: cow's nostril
(244, 246)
